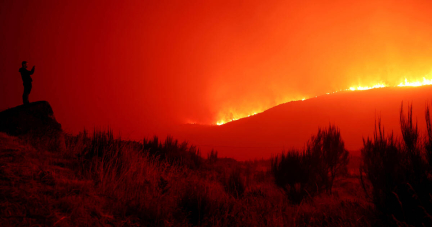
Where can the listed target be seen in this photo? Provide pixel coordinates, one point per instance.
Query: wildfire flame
(406, 83)
(416, 83)
(360, 88)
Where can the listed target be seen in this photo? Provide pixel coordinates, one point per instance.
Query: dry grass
(126, 186)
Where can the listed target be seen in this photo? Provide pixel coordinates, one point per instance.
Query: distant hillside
(291, 124)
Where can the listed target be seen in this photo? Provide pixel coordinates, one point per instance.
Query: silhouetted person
(27, 81)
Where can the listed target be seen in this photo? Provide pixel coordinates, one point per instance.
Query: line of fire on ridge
(358, 88)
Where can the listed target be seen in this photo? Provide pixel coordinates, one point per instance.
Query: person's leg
(27, 89)
(25, 96)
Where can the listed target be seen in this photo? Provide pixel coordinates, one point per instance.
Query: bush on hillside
(102, 150)
(428, 140)
(234, 183)
(399, 174)
(291, 172)
(328, 155)
(314, 169)
(212, 156)
(203, 204)
(174, 152)
(103, 144)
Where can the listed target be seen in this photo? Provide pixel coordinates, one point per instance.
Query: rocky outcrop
(36, 116)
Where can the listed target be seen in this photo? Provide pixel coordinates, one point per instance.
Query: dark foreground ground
(46, 182)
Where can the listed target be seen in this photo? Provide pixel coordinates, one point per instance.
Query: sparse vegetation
(173, 152)
(329, 156)
(234, 183)
(102, 180)
(292, 173)
(428, 139)
(399, 174)
(212, 156)
(48, 178)
(310, 171)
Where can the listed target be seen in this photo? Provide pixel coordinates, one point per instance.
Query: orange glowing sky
(141, 66)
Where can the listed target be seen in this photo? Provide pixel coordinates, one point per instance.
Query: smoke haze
(141, 66)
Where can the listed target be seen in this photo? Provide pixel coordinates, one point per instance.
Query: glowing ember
(358, 88)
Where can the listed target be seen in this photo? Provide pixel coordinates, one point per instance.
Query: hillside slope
(126, 187)
(291, 124)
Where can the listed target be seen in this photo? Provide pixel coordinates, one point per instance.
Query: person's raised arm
(32, 71)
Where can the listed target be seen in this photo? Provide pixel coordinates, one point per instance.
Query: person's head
(24, 64)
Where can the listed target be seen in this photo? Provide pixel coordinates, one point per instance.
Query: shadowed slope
(291, 124)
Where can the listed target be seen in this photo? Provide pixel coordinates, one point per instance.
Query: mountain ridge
(291, 124)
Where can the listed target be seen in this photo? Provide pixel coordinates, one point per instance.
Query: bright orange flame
(220, 122)
(416, 83)
(358, 88)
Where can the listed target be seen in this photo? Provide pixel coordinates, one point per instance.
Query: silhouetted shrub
(409, 132)
(315, 168)
(428, 141)
(121, 186)
(103, 144)
(202, 204)
(196, 204)
(381, 163)
(292, 173)
(328, 156)
(234, 183)
(173, 152)
(398, 173)
(212, 156)
(97, 153)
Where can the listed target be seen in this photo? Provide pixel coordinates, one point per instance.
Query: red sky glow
(142, 66)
